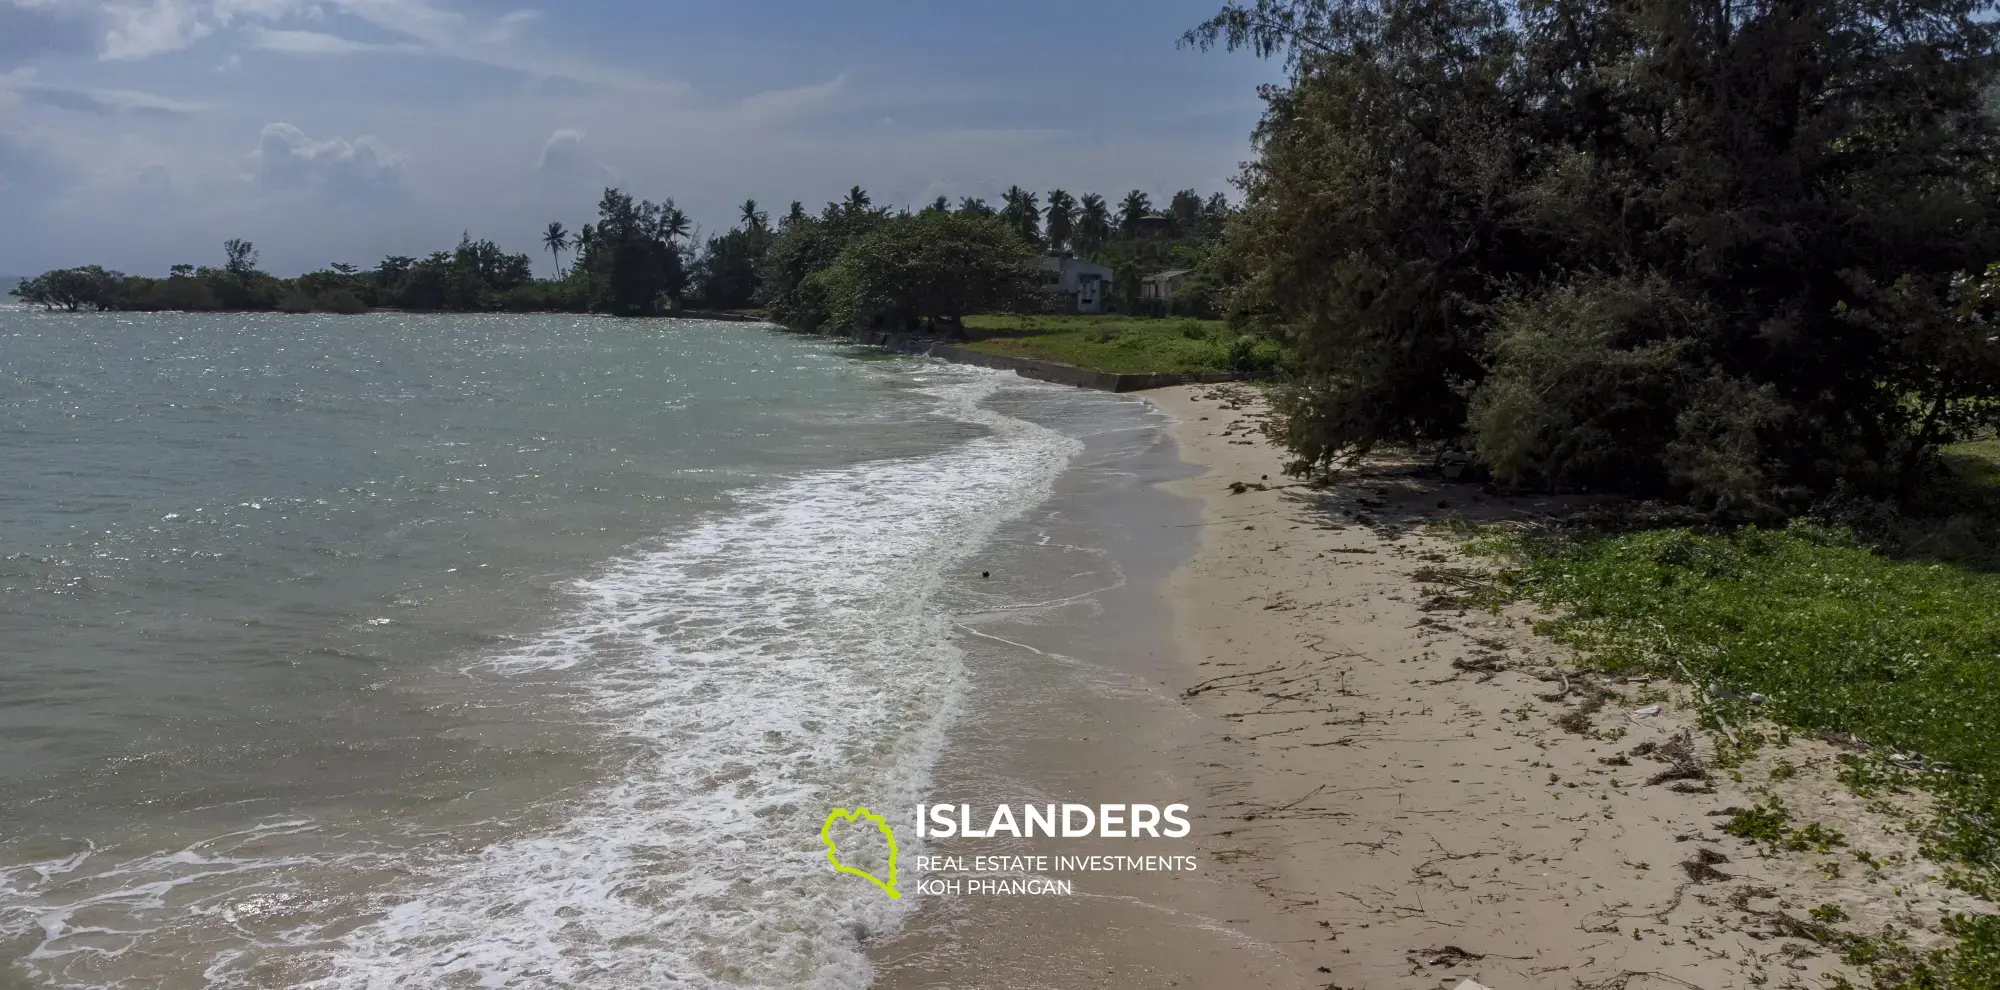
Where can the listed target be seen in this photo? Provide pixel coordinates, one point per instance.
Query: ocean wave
(764, 667)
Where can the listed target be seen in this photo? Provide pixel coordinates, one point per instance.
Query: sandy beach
(1426, 787)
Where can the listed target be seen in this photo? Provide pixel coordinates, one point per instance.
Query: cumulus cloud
(361, 170)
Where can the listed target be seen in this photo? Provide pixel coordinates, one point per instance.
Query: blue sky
(141, 133)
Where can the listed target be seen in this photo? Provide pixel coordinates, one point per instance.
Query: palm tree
(1093, 223)
(968, 206)
(752, 218)
(796, 215)
(673, 223)
(857, 201)
(1062, 219)
(556, 239)
(1023, 213)
(1136, 207)
(939, 205)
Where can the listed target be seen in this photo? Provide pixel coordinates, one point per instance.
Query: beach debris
(1469, 985)
(1647, 712)
(1701, 869)
(986, 574)
(1239, 487)
(1448, 955)
(1682, 764)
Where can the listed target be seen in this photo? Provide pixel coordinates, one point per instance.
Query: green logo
(833, 854)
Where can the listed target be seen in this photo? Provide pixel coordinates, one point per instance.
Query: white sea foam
(766, 666)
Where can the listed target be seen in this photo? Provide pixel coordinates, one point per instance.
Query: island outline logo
(833, 852)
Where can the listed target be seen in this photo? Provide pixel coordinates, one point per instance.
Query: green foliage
(476, 276)
(1970, 960)
(73, 289)
(1904, 653)
(1123, 345)
(1716, 251)
(805, 246)
(631, 264)
(928, 268)
(1771, 824)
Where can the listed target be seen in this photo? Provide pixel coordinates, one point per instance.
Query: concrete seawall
(1047, 371)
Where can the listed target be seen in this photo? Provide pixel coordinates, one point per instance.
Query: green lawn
(1123, 345)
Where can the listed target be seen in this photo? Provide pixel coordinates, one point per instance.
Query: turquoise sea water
(474, 651)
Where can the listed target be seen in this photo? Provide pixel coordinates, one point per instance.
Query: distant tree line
(640, 258)
(1734, 253)
(629, 263)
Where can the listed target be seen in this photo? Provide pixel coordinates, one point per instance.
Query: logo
(833, 853)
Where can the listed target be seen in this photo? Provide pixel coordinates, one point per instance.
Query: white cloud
(21, 83)
(560, 150)
(781, 104)
(136, 30)
(293, 42)
(361, 170)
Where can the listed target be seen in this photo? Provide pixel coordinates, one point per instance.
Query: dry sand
(1386, 764)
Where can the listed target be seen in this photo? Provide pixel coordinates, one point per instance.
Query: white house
(1082, 282)
(1161, 287)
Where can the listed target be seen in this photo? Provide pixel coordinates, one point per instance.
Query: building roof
(1176, 273)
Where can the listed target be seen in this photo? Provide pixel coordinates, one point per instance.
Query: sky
(139, 134)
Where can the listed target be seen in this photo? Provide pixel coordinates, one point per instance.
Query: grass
(1902, 653)
(1124, 345)
(1893, 639)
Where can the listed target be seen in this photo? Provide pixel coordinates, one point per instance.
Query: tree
(795, 216)
(72, 289)
(971, 207)
(857, 202)
(1709, 250)
(556, 239)
(1093, 223)
(1136, 207)
(242, 257)
(792, 285)
(1186, 213)
(929, 269)
(630, 261)
(941, 204)
(672, 223)
(1023, 212)
(1061, 219)
(1215, 214)
(752, 218)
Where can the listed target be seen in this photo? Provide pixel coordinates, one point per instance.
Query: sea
(481, 651)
